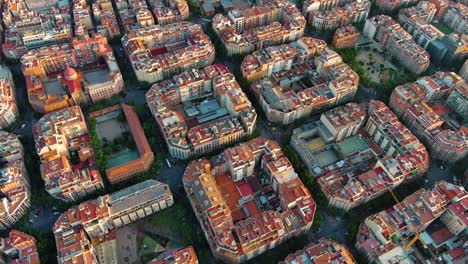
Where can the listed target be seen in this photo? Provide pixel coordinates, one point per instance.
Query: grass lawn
(147, 245)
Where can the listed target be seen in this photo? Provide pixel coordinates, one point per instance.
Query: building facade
(421, 107)
(345, 37)
(199, 111)
(18, 247)
(298, 79)
(397, 42)
(63, 145)
(152, 62)
(8, 109)
(60, 76)
(14, 184)
(271, 23)
(86, 233)
(222, 192)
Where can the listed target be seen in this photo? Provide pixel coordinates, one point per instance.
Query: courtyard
(115, 137)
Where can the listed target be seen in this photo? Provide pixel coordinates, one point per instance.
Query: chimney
(207, 167)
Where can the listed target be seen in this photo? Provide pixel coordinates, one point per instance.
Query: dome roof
(70, 74)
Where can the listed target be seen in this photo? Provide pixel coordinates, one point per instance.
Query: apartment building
(177, 256)
(61, 76)
(417, 22)
(201, 110)
(456, 17)
(14, 181)
(382, 237)
(464, 71)
(168, 12)
(318, 5)
(324, 251)
(106, 19)
(358, 152)
(441, 7)
(338, 16)
(8, 109)
(248, 200)
(86, 233)
(345, 37)
(32, 25)
(298, 79)
(393, 5)
(397, 42)
(264, 63)
(64, 147)
(82, 19)
(18, 247)
(421, 107)
(152, 59)
(255, 28)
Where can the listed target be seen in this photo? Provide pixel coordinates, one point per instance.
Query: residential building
(339, 16)
(201, 110)
(168, 12)
(325, 251)
(397, 42)
(86, 233)
(464, 71)
(145, 158)
(60, 76)
(388, 5)
(264, 63)
(271, 23)
(177, 256)
(441, 7)
(448, 48)
(8, 109)
(135, 14)
(424, 11)
(152, 59)
(210, 7)
(358, 152)
(417, 21)
(14, 181)
(64, 147)
(106, 20)
(82, 19)
(421, 107)
(298, 79)
(34, 24)
(18, 247)
(318, 5)
(458, 101)
(382, 236)
(456, 217)
(345, 37)
(456, 17)
(248, 200)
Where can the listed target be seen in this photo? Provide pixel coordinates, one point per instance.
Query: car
(23, 125)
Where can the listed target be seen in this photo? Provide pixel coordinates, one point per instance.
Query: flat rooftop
(122, 157)
(97, 76)
(352, 144)
(53, 86)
